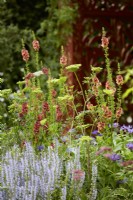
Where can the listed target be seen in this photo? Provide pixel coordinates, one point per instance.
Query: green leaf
(128, 91)
(65, 98)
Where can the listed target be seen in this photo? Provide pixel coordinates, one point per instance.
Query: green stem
(80, 86)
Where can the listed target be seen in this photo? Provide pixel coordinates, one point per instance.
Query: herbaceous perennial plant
(50, 152)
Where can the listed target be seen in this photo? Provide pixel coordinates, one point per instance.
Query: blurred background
(75, 24)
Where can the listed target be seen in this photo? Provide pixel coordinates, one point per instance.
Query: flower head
(78, 175)
(128, 128)
(89, 106)
(36, 45)
(110, 89)
(102, 149)
(59, 114)
(100, 126)
(105, 42)
(54, 93)
(107, 85)
(119, 80)
(130, 145)
(107, 112)
(24, 110)
(45, 107)
(116, 125)
(40, 148)
(63, 60)
(127, 163)
(115, 157)
(45, 70)
(73, 68)
(37, 127)
(96, 81)
(40, 117)
(96, 133)
(25, 55)
(29, 76)
(119, 112)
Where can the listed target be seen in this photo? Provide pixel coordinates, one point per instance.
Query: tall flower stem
(80, 87)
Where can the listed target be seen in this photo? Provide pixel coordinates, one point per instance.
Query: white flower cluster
(27, 176)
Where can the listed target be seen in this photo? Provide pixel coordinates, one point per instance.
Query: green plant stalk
(37, 67)
(80, 87)
(88, 158)
(111, 101)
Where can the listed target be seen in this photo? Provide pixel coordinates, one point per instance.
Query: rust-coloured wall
(85, 45)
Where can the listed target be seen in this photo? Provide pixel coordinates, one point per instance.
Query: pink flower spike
(63, 60)
(78, 175)
(25, 55)
(45, 70)
(105, 42)
(119, 80)
(36, 45)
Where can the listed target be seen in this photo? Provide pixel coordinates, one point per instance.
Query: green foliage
(52, 24)
(128, 73)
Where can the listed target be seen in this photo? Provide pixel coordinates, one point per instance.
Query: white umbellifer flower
(38, 73)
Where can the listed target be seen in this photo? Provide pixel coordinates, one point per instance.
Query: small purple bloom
(96, 133)
(115, 157)
(130, 145)
(128, 128)
(40, 148)
(114, 125)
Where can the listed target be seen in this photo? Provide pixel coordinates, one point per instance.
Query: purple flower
(96, 133)
(114, 125)
(40, 148)
(130, 145)
(128, 128)
(115, 157)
